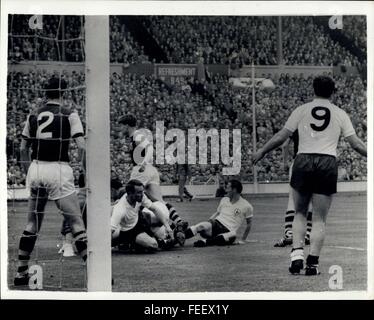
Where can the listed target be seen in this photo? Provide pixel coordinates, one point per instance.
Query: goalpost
(99, 269)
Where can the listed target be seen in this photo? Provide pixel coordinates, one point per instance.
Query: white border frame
(85, 7)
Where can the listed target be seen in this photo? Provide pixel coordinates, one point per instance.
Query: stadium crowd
(189, 104)
(188, 39)
(353, 27)
(306, 43)
(60, 38)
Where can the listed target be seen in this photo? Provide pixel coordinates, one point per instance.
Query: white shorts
(148, 176)
(56, 177)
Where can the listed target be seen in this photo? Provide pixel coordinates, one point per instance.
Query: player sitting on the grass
(146, 173)
(290, 212)
(315, 171)
(222, 227)
(130, 227)
(47, 132)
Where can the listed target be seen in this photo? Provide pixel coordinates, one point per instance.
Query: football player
(314, 173)
(131, 228)
(145, 172)
(222, 227)
(47, 133)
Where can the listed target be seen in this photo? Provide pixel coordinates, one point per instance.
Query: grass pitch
(255, 266)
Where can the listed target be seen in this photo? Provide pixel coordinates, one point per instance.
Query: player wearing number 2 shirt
(49, 176)
(314, 174)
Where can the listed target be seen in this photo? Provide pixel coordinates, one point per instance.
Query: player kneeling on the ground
(131, 228)
(222, 227)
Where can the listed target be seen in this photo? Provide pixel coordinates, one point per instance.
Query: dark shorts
(218, 228)
(315, 173)
(129, 236)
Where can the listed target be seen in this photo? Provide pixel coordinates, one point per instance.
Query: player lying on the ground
(132, 229)
(47, 132)
(286, 240)
(145, 172)
(222, 227)
(315, 172)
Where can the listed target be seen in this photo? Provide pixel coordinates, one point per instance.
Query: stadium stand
(191, 103)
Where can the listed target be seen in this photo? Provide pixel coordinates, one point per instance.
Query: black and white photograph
(217, 148)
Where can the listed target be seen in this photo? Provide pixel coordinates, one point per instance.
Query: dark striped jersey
(50, 129)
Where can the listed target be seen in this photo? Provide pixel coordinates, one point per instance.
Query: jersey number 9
(324, 114)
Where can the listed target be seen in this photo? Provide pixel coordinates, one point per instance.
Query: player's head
(134, 190)
(54, 88)
(234, 187)
(128, 121)
(323, 86)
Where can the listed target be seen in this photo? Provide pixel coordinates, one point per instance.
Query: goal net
(41, 47)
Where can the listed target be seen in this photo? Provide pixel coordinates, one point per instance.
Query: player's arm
(279, 138)
(285, 153)
(247, 228)
(25, 145)
(80, 141)
(357, 144)
(115, 219)
(25, 154)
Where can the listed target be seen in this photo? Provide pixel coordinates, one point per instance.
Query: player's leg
(67, 249)
(203, 228)
(181, 183)
(147, 242)
(69, 206)
(288, 220)
(321, 207)
(299, 230)
(309, 224)
(153, 190)
(222, 239)
(155, 222)
(66, 199)
(36, 206)
(187, 193)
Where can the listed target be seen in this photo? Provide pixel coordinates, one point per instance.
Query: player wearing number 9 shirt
(314, 175)
(47, 133)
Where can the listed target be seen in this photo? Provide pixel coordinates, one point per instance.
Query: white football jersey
(232, 215)
(320, 124)
(125, 216)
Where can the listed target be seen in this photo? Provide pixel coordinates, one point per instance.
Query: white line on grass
(348, 248)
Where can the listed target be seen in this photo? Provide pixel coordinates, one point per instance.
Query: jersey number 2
(324, 114)
(43, 124)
